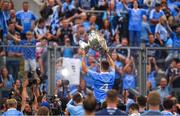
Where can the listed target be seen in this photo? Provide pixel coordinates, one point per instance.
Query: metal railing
(139, 53)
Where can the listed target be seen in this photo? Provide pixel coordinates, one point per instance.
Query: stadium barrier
(163, 57)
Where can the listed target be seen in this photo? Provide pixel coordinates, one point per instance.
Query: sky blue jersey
(102, 83)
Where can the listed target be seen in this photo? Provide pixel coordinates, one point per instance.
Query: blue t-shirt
(151, 78)
(129, 81)
(166, 113)
(3, 24)
(155, 15)
(13, 48)
(118, 64)
(145, 31)
(29, 52)
(26, 19)
(102, 83)
(135, 19)
(68, 52)
(12, 112)
(152, 112)
(88, 78)
(75, 110)
(176, 40)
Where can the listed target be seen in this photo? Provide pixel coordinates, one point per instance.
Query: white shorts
(30, 65)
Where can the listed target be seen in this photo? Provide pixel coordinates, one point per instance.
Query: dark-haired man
(168, 105)
(141, 100)
(74, 106)
(89, 105)
(104, 80)
(26, 18)
(112, 102)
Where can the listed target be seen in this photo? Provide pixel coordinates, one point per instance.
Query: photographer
(62, 89)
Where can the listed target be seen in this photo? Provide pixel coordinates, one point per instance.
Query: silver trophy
(96, 42)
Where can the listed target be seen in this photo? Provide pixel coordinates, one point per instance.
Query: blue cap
(46, 104)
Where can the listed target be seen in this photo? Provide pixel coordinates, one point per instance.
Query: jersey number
(104, 87)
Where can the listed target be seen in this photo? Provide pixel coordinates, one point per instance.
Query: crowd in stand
(123, 23)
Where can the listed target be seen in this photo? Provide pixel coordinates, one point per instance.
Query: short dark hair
(89, 103)
(175, 60)
(25, 2)
(77, 98)
(141, 100)
(41, 20)
(43, 111)
(134, 106)
(150, 34)
(168, 104)
(105, 65)
(112, 95)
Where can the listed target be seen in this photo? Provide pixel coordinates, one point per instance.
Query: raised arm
(14, 37)
(84, 67)
(111, 62)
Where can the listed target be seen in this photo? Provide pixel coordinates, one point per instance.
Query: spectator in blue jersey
(5, 10)
(6, 82)
(154, 17)
(104, 80)
(67, 51)
(176, 40)
(26, 17)
(75, 105)
(92, 23)
(151, 43)
(162, 31)
(128, 74)
(91, 63)
(106, 31)
(3, 24)
(12, 111)
(167, 105)
(145, 30)
(119, 67)
(164, 89)
(29, 53)
(111, 107)
(153, 101)
(67, 8)
(135, 24)
(111, 15)
(14, 54)
(152, 70)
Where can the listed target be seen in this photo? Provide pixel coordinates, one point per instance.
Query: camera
(42, 77)
(55, 104)
(31, 79)
(65, 83)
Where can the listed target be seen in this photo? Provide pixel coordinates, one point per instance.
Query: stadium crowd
(124, 23)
